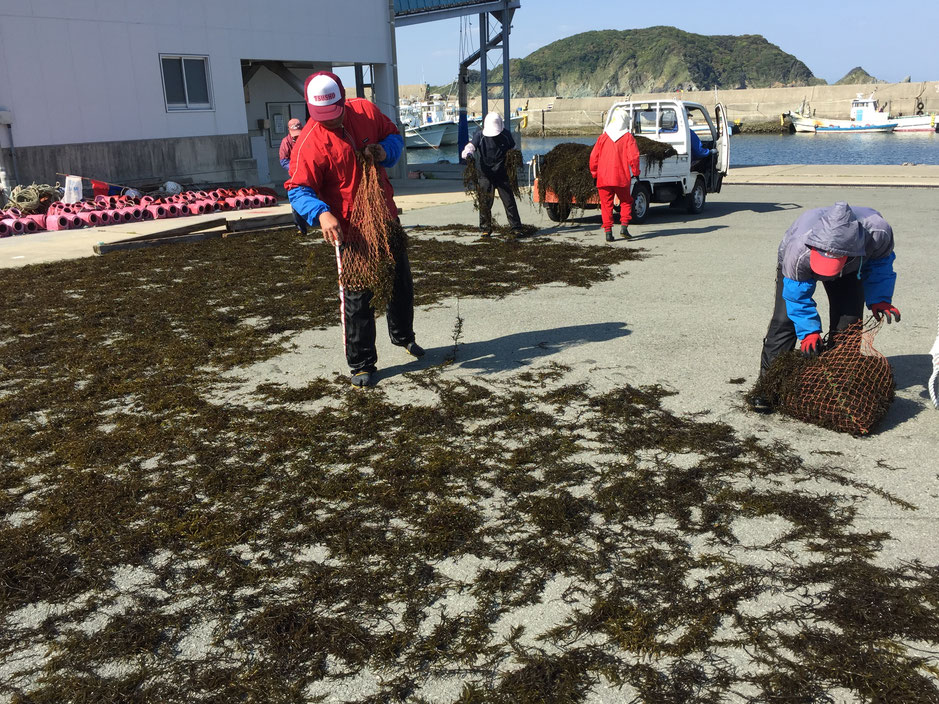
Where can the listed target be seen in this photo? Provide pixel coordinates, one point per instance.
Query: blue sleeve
(878, 278)
(800, 306)
(697, 149)
(303, 199)
(393, 145)
(286, 164)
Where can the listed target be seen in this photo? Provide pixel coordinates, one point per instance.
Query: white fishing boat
(421, 119)
(428, 136)
(866, 116)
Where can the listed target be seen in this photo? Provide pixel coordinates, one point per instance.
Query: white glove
(468, 150)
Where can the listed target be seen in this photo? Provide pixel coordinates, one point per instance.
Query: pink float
(14, 226)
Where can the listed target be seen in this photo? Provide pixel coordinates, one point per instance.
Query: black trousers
(299, 222)
(359, 318)
(487, 185)
(845, 304)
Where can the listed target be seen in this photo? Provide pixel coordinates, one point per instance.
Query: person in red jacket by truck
(614, 162)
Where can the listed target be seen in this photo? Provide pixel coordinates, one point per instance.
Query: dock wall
(752, 105)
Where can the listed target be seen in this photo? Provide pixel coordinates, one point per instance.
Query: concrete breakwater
(751, 106)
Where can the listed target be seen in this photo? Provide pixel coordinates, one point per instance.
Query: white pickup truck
(679, 179)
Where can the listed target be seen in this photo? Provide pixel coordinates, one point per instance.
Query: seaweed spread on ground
(526, 540)
(513, 162)
(848, 388)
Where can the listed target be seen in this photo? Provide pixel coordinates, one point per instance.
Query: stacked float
(113, 210)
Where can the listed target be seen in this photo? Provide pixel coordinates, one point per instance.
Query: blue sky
(829, 36)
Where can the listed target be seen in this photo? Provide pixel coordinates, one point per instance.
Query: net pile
(848, 388)
(34, 198)
(373, 238)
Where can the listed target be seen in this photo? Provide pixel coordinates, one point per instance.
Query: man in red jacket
(614, 162)
(324, 175)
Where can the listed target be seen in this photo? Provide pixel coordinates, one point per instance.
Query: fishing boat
(866, 116)
(422, 119)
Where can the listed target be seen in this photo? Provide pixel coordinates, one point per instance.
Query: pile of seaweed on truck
(565, 170)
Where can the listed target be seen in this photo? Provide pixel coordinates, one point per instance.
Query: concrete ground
(690, 316)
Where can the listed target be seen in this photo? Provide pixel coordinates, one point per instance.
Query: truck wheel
(551, 209)
(694, 201)
(642, 197)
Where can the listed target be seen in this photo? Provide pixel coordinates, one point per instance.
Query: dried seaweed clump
(654, 152)
(848, 388)
(513, 162)
(368, 251)
(565, 170)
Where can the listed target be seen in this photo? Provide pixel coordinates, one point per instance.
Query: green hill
(855, 76)
(656, 59)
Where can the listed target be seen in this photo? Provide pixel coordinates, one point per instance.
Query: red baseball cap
(294, 126)
(825, 263)
(325, 96)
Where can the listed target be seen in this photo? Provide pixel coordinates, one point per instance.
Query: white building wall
(78, 71)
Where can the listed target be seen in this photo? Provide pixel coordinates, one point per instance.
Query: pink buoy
(89, 217)
(126, 213)
(74, 222)
(57, 222)
(39, 219)
(29, 225)
(14, 226)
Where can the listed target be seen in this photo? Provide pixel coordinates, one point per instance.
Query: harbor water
(768, 150)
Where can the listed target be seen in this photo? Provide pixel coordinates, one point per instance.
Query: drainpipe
(506, 98)
(484, 63)
(399, 169)
(6, 118)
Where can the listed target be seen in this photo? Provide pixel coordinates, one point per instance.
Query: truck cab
(680, 180)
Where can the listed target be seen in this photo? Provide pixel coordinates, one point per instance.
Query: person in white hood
(614, 162)
(489, 147)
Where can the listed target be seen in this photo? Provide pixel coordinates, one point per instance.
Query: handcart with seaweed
(561, 180)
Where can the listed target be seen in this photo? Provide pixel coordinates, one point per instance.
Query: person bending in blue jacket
(850, 250)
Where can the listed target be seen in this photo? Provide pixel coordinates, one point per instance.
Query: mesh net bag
(848, 388)
(372, 240)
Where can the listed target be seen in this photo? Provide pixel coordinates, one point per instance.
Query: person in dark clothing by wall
(489, 147)
(294, 128)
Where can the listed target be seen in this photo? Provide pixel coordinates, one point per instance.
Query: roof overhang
(411, 12)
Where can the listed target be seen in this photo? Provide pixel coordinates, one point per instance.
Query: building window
(186, 82)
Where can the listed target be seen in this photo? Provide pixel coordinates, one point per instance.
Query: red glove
(811, 345)
(885, 309)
